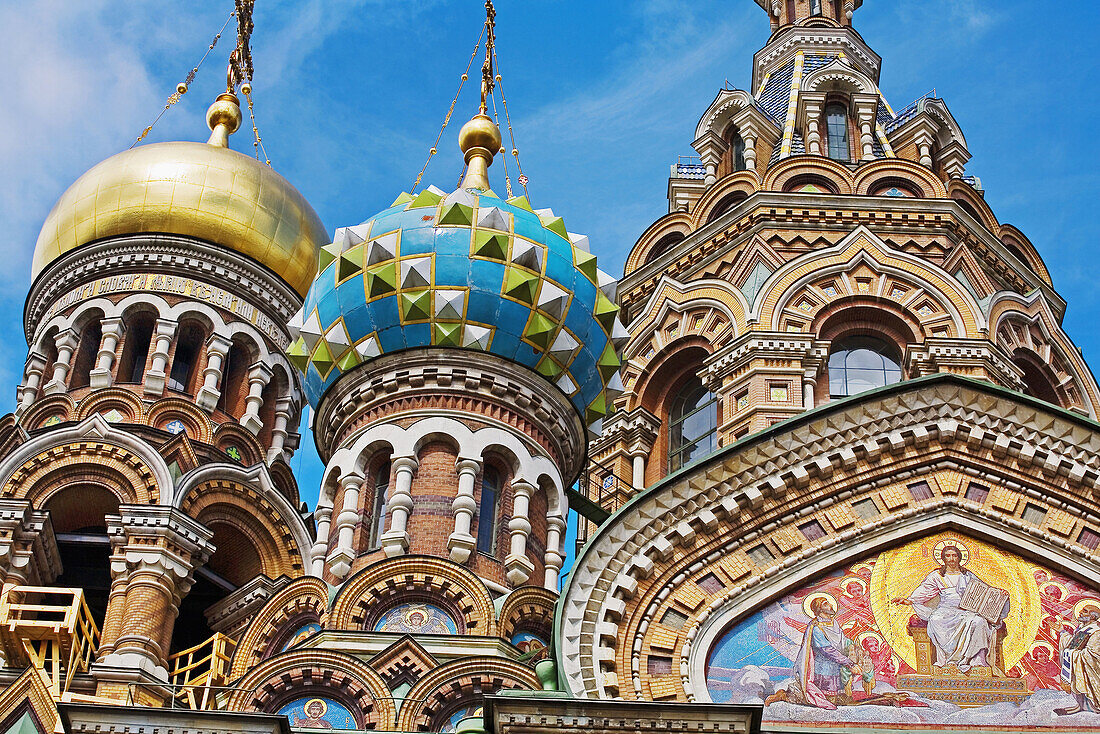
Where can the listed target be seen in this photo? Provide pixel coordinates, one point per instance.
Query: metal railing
(690, 166)
(53, 628)
(599, 491)
(197, 673)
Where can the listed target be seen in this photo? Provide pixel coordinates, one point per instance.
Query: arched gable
(794, 293)
(735, 515)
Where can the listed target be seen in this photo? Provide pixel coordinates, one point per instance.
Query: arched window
(737, 152)
(1036, 383)
(693, 424)
(188, 347)
(663, 245)
(487, 510)
(861, 363)
(815, 7)
(836, 122)
(90, 338)
(135, 352)
(729, 201)
(378, 510)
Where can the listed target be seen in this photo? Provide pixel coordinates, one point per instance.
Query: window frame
(837, 111)
(379, 505)
(678, 415)
(486, 540)
(847, 346)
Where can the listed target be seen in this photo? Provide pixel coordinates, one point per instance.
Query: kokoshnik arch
(837, 470)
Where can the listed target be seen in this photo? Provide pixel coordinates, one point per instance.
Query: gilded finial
(224, 117)
(480, 138)
(240, 60)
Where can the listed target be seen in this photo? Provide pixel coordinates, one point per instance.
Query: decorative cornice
(161, 253)
(438, 371)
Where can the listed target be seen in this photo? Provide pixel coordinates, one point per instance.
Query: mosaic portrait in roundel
(943, 630)
(318, 713)
(425, 619)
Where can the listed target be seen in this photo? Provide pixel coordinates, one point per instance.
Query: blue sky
(603, 96)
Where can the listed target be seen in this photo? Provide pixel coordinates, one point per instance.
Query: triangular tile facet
(521, 285)
(477, 337)
(311, 330)
(415, 305)
(491, 245)
(450, 304)
(381, 249)
(416, 272)
(552, 299)
(527, 253)
(456, 215)
(381, 280)
(539, 330)
(447, 335)
(492, 217)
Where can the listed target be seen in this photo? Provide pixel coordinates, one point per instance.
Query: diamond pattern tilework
(463, 270)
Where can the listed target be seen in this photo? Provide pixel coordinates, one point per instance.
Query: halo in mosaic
(464, 270)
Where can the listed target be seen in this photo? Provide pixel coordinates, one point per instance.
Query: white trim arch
(258, 477)
(96, 428)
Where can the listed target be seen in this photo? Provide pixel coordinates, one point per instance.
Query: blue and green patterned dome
(463, 270)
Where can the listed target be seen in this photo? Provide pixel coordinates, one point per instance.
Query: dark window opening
(135, 350)
(378, 510)
(86, 354)
(737, 152)
(487, 510)
(188, 346)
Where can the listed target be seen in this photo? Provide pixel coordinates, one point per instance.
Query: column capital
(261, 372)
(218, 344)
(158, 539)
(404, 463)
(166, 327)
(66, 339)
(467, 465)
(113, 325)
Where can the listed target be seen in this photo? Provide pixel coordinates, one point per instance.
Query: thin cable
(181, 88)
(503, 157)
(258, 142)
(522, 179)
(450, 111)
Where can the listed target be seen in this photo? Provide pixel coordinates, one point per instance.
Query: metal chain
(181, 88)
(450, 111)
(521, 179)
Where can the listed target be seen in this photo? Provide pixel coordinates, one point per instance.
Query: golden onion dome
(201, 190)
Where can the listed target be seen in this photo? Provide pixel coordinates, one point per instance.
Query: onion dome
(464, 270)
(201, 190)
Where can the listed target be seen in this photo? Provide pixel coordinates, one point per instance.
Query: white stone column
(323, 516)
(112, 333)
(813, 134)
(66, 342)
(157, 377)
(340, 559)
(637, 460)
(808, 386)
(461, 543)
(217, 347)
(517, 565)
(750, 152)
(259, 375)
(284, 408)
(866, 118)
(555, 552)
(32, 378)
(395, 541)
